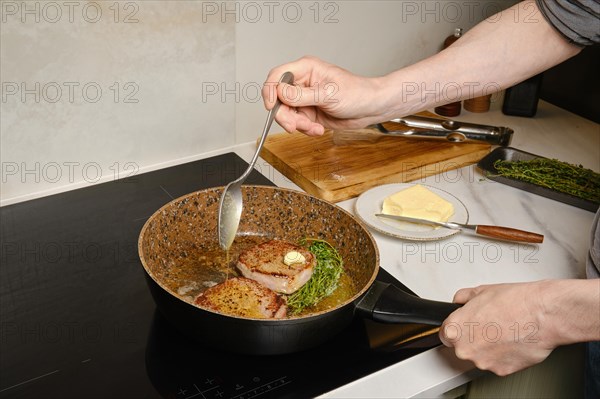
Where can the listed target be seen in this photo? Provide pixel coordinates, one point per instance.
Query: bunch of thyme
(324, 279)
(554, 174)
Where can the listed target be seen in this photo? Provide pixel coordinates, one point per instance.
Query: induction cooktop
(77, 320)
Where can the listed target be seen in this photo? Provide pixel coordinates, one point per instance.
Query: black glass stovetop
(77, 320)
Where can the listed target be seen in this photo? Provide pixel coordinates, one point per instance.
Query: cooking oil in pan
(206, 268)
(227, 263)
(342, 293)
(202, 270)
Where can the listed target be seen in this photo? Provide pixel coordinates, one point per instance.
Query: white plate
(370, 202)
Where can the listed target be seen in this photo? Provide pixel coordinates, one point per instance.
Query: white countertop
(436, 270)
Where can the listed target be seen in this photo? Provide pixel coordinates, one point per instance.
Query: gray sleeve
(593, 262)
(577, 20)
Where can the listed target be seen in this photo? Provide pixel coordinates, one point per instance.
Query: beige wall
(367, 37)
(95, 90)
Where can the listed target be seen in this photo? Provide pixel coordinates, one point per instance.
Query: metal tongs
(444, 129)
(450, 130)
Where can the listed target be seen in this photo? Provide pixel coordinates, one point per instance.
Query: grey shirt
(593, 263)
(577, 20)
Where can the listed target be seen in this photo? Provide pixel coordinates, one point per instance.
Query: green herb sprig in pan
(325, 277)
(553, 174)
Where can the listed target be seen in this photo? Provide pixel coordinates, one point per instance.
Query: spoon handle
(288, 78)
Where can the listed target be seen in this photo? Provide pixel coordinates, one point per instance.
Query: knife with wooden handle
(503, 233)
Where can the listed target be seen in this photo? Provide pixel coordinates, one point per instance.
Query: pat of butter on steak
(265, 263)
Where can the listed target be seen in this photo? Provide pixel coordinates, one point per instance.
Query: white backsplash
(97, 90)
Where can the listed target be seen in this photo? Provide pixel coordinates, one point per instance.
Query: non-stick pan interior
(182, 236)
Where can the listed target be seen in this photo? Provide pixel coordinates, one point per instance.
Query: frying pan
(184, 232)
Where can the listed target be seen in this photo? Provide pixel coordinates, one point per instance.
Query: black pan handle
(386, 303)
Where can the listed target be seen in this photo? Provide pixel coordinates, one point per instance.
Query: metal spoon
(230, 205)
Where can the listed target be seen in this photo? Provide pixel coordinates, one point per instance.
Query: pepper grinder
(478, 104)
(522, 99)
(451, 109)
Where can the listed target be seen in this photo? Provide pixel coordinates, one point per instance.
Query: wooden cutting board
(336, 170)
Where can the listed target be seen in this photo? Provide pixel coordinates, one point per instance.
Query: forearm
(571, 310)
(508, 327)
(503, 50)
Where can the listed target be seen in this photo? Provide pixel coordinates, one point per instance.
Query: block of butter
(418, 202)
